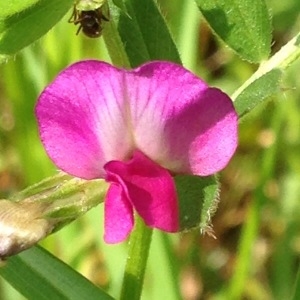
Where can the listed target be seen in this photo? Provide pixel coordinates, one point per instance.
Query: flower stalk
(139, 245)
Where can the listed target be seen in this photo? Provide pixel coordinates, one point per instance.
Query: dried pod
(21, 226)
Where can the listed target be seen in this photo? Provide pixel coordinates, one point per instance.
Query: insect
(90, 21)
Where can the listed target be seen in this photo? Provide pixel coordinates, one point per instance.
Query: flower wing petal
(118, 215)
(178, 121)
(81, 118)
(150, 188)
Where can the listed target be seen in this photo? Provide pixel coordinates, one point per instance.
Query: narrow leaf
(14, 6)
(259, 90)
(120, 4)
(266, 80)
(143, 33)
(38, 275)
(23, 22)
(245, 26)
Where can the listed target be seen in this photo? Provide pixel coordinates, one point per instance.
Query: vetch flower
(136, 128)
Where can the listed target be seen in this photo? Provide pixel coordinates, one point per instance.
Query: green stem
(280, 60)
(139, 245)
(113, 42)
(296, 290)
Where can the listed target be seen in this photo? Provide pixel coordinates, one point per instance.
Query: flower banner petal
(150, 188)
(94, 113)
(118, 215)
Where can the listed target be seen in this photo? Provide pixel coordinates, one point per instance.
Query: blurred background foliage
(255, 254)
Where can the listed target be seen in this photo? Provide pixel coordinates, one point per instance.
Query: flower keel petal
(150, 188)
(118, 215)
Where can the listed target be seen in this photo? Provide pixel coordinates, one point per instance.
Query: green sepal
(198, 199)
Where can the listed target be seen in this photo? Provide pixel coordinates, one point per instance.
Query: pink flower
(136, 129)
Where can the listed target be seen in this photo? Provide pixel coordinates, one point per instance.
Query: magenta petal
(82, 120)
(179, 121)
(205, 132)
(94, 113)
(150, 188)
(118, 215)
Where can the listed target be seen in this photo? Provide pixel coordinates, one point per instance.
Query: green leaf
(245, 26)
(38, 275)
(141, 35)
(259, 90)
(266, 80)
(14, 6)
(198, 199)
(120, 4)
(23, 22)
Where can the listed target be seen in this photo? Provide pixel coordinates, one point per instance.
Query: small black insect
(90, 21)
